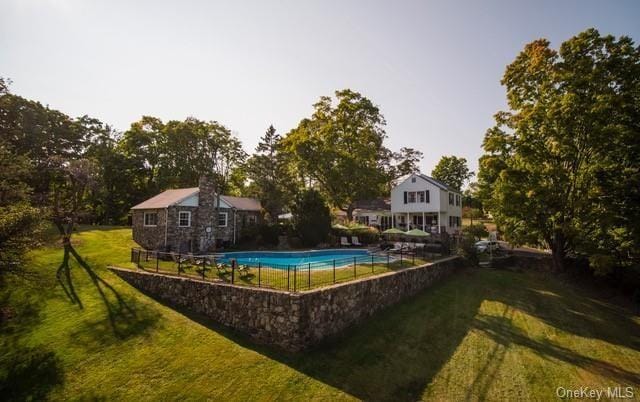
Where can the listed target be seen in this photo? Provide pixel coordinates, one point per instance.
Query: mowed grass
(481, 334)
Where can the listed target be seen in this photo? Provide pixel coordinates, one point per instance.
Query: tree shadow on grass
(125, 318)
(398, 352)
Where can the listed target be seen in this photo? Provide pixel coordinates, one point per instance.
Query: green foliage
(311, 218)
(467, 249)
(452, 171)
(471, 197)
(269, 233)
(20, 226)
(271, 180)
(341, 149)
(562, 166)
(476, 231)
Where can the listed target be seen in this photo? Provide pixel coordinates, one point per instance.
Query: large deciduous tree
(340, 148)
(562, 165)
(452, 171)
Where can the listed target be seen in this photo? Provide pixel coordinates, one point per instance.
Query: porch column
(438, 221)
(423, 221)
(408, 224)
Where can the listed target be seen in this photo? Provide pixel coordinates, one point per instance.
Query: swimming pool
(315, 259)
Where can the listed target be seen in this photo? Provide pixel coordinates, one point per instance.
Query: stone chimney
(206, 212)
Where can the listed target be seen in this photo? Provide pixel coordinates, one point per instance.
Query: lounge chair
(355, 242)
(193, 260)
(397, 246)
(180, 261)
(243, 270)
(344, 241)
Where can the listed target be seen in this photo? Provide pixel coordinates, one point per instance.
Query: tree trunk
(349, 212)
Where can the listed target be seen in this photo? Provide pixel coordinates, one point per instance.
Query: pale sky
(433, 68)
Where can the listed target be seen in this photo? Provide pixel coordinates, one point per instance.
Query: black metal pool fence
(290, 277)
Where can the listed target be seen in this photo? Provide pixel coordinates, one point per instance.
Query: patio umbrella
(338, 226)
(359, 227)
(417, 233)
(393, 231)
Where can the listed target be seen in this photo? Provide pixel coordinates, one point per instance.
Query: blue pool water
(319, 259)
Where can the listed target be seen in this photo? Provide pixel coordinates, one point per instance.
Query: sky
(433, 68)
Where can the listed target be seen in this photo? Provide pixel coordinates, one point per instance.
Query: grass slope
(480, 335)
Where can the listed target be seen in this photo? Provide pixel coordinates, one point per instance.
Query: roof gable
(167, 198)
(242, 203)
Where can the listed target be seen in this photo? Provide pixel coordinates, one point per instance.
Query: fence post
(233, 270)
(157, 261)
(334, 271)
(309, 275)
(204, 266)
(401, 258)
(146, 256)
(295, 278)
(388, 260)
(259, 272)
(288, 269)
(354, 267)
(371, 263)
(413, 258)
(179, 263)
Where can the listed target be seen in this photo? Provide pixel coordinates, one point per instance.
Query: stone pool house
(183, 219)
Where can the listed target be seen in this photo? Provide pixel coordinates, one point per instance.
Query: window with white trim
(184, 219)
(450, 198)
(222, 219)
(251, 219)
(411, 197)
(420, 196)
(150, 219)
(457, 200)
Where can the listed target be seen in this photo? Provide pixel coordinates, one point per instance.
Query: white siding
(397, 196)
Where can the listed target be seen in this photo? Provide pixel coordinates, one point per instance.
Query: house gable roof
(242, 203)
(167, 198)
(176, 196)
(437, 183)
(376, 204)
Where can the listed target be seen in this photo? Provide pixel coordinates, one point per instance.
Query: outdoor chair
(243, 270)
(344, 241)
(180, 261)
(193, 260)
(222, 268)
(397, 246)
(355, 241)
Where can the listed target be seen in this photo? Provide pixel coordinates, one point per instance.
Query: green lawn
(481, 334)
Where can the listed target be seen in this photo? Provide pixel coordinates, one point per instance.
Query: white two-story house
(422, 202)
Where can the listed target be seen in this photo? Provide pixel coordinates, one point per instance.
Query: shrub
(476, 231)
(467, 249)
(269, 233)
(311, 218)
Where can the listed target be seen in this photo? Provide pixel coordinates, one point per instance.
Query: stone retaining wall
(292, 321)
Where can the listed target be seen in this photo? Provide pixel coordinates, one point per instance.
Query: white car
(486, 245)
